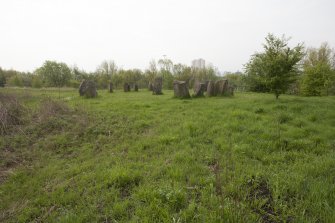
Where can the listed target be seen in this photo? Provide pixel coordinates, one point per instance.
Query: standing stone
(157, 86)
(199, 89)
(150, 86)
(181, 89)
(210, 89)
(126, 87)
(82, 87)
(206, 84)
(231, 90)
(136, 87)
(88, 89)
(221, 88)
(110, 87)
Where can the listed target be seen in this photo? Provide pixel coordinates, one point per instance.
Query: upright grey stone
(206, 84)
(126, 87)
(199, 89)
(88, 89)
(210, 89)
(110, 87)
(222, 88)
(82, 87)
(181, 89)
(157, 86)
(150, 86)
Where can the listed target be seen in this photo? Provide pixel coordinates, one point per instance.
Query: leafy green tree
(236, 80)
(15, 78)
(166, 66)
(107, 68)
(54, 74)
(319, 75)
(36, 82)
(151, 72)
(105, 71)
(314, 80)
(9, 74)
(254, 80)
(77, 74)
(182, 72)
(205, 74)
(16, 81)
(136, 75)
(117, 79)
(27, 78)
(277, 67)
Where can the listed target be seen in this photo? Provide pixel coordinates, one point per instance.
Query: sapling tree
(277, 67)
(54, 74)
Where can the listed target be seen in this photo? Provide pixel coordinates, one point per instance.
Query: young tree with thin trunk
(54, 74)
(277, 67)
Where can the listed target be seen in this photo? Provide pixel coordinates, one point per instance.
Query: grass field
(137, 157)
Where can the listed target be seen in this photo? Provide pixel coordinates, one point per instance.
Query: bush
(11, 112)
(52, 108)
(15, 81)
(36, 82)
(73, 83)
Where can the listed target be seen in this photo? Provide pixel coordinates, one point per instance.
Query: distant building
(199, 63)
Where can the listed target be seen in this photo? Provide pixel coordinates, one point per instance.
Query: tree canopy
(319, 74)
(54, 74)
(277, 67)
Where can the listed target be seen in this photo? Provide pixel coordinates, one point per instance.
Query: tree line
(282, 69)
(278, 69)
(58, 74)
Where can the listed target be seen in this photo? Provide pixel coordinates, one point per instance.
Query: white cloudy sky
(132, 32)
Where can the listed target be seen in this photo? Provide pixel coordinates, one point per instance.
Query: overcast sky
(132, 32)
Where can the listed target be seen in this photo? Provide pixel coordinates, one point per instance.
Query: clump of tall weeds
(12, 112)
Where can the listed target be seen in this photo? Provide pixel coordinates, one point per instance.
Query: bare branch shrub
(11, 112)
(51, 108)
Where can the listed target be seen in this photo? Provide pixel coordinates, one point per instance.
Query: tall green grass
(137, 157)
